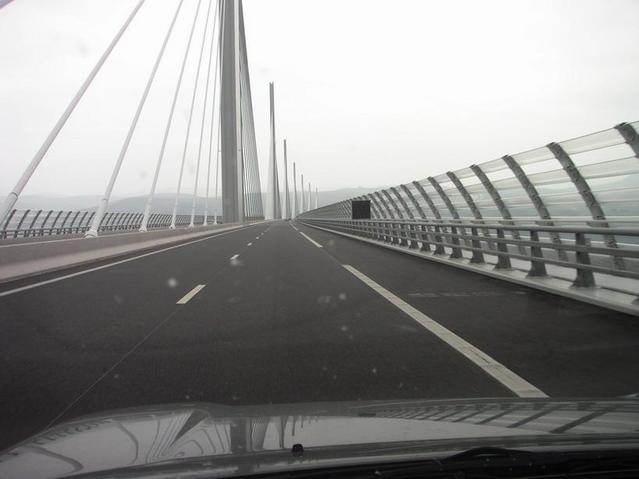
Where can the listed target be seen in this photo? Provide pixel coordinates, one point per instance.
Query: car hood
(245, 439)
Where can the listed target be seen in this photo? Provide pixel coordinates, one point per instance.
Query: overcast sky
(368, 93)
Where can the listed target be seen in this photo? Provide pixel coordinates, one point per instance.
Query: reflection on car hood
(233, 437)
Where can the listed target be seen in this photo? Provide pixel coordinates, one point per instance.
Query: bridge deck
(284, 321)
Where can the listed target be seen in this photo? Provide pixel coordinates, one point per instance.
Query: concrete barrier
(32, 258)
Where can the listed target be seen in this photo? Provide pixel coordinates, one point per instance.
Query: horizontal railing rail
(533, 253)
(571, 205)
(34, 223)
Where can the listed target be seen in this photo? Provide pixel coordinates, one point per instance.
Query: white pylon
(295, 208)
(302, 202)
(287, 199)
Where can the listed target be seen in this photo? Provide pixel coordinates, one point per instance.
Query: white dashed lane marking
(490, 366)
(188, 296)
(311, 240)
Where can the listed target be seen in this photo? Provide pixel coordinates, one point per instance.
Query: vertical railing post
(454, 238)
(588, 197)
(477, 255)
(585, 277)
(537, 265)
(44, 223)
(536, 201)
(6, 223)
(19, 226)
(35, 218)
(503, 261)
(79, 226)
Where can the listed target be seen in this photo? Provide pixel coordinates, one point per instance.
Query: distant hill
(57, 202)
(162, 203)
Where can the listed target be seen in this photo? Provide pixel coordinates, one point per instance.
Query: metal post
(499, 203)
(589, 198)
(535, 199)
(537, 265)
(217, 168)
(302, 202)
(411, 227)
(423, 236)
(295, 212)
(397, 228)
(273, 212)
(287, 200)
(93, 231)
(584, 278)
(12, 197)
(630, 136)
(456, 251)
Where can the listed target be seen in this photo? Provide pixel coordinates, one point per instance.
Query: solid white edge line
(498, 371)
(311, 240)
(187, 297)
(115, 263)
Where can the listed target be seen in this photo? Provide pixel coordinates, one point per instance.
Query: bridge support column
(230, 115)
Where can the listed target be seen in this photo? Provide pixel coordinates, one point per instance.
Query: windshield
(215, 205)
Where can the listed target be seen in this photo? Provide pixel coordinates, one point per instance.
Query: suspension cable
(149, 201)
(188, 128)
(12, 197)
(97, 219)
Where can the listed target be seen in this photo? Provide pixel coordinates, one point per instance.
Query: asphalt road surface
(279, 312)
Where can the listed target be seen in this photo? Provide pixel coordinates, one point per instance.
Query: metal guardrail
(572, 204)
(532, 244)
(32, 223)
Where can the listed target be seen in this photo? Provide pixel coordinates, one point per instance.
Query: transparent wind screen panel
(493, 166)
(613, 168)
(483, 201)
(602, 155)
(593, 141)
(533, 156)
(408, 202)
(466, 175)
(478, 192)
(455, 197)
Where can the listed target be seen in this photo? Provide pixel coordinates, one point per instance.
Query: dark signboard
(361, 209)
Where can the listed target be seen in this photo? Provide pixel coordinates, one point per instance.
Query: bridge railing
(32, 223)
(571, 205)
(586, 254)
